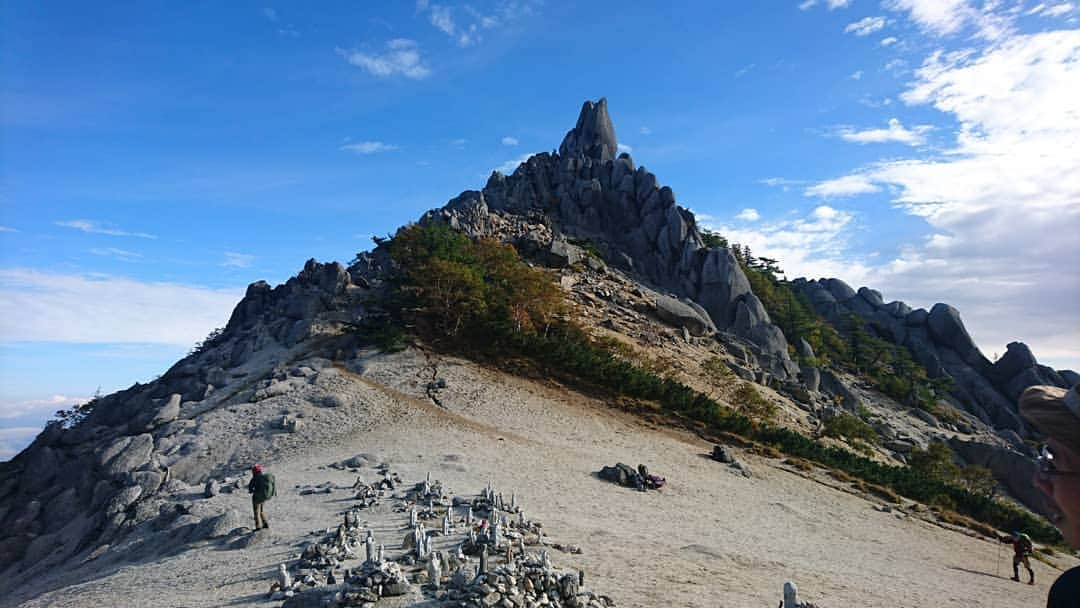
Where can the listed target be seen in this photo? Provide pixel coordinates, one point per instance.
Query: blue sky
(157, 157)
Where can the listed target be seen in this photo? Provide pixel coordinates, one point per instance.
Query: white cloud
(748, 215)
(848, 185)
(509, 141)
(442, 18)
(865, 26)
(857, 75)
(14, 439)
(29, 407)
(832, 4)
(269, 14)
(1003, 205)
(237, 260)
(401, 58)
(645, 131)
(509, 166)
(46, 306)
(1059, 10)
(894, 133)
(94, 227)
(421, 5)
(368, 147)
(623, 148)
(7, 229)
(810, 245)
(744, 70)
(1052, 11)
(123, 254)
(945, 17)
(782, 182)
(889, 41)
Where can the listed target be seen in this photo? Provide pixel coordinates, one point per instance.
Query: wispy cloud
(744, 70)
(865, 26)
(832, 4)
(95, 227)
(269, 14)
(895, 133)
(889, 41)
(1058, 10)
(624, 148)
(848, 185)
(402, 58)
(18, 409)
(237, 260)
(509, 166)
(748, 215)
(509, 141)
(947, 17)
(122, 254)
(781, 182)
(46, 306)
(443, 19)
(857, 75)
(368, 147)
(645, 131)
(7, 229)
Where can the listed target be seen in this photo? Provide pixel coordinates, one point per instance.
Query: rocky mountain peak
(593, 136)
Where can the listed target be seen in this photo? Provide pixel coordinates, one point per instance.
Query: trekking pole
(997, 567)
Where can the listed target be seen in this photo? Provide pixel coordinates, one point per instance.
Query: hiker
(1055, 412)
(1022, 550)
(261, 489)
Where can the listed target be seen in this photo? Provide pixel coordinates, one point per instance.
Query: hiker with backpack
(261, 488)
(1022, 550)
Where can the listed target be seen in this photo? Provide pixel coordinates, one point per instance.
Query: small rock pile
(530, 581)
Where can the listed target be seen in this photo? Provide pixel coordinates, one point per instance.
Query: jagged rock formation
(583, 192)
(939, 341)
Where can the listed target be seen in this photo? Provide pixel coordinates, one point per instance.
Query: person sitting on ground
(261, 488)
(1022, 550)
(1055, 412)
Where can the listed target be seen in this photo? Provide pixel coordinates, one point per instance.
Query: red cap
(257, 468)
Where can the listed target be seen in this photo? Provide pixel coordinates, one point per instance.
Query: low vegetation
(478, 299)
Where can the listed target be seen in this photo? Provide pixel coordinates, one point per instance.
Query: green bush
(850, 427)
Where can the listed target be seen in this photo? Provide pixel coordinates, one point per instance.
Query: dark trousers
(260, 517)
(1022, 559)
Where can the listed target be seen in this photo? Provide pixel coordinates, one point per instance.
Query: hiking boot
(1016, 578)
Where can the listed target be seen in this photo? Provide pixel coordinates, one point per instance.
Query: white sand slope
(710, 538)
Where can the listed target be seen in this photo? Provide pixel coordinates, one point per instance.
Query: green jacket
(261, 487)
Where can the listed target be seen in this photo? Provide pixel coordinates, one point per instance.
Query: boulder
(562, 254)
(839, 290)
(722, 283)
(216, 526)
(680, 314)
(811, 377)
(136, 454)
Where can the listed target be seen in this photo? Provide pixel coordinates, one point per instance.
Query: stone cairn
(481, 558)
